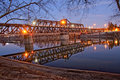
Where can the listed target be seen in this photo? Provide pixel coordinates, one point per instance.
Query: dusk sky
(98, 14)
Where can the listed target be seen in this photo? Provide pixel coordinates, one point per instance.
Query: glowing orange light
(26, 54)
(116, 41)
(95, 48)
(105, 46)
(63, 22)
(106, 31)
(65, 56)
(107, 41)
(32, 52)
(24, 31)
(116, 29)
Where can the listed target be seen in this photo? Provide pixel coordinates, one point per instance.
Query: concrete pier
(28, 42)
(64, 38)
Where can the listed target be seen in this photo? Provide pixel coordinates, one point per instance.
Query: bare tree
(29, 9)
(116, 14)
(118, 4)
(22, 9)
(79, 5)
(89, 2)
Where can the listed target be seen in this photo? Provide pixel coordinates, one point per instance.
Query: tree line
(112, 26)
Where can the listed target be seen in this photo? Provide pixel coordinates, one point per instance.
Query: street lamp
(34, 22)
(72, 25)
(116, 29)
(89, 27)
(105, 25)
(24, 31)
(26, 54)
(116, 42)
(63, 22)
(36, 60)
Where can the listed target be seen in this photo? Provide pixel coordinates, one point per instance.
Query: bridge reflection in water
(43, 56)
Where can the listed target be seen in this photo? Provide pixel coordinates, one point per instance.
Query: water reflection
(105, 46)
(52, 51)
(94, 47)
(43, 56)
(47, 55)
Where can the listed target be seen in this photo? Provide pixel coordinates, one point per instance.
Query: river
(97, 55)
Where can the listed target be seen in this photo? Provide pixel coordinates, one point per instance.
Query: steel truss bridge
(46, 26)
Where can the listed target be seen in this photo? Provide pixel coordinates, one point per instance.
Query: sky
(98, 14)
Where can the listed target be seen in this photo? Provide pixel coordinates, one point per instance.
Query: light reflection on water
(100, 56)
(10, 48)
(100, 59)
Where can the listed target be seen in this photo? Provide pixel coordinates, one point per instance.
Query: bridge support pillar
(28, 42)
(64, 38)
(75, 38)
(99, 38)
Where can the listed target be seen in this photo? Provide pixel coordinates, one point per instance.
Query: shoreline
(13, 69)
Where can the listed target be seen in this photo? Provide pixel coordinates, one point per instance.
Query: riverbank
(14, 70)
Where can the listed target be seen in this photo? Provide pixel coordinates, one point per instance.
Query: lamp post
(34, 23)
(63, 22)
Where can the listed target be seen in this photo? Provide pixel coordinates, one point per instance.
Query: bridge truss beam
(45, 26)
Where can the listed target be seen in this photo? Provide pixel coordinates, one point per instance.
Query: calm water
(100, 59)
(103, 56)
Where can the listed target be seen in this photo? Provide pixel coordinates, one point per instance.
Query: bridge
(62, 30)
(47, 30)
(46, 26)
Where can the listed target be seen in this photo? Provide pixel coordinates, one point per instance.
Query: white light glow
(36, 60)
(34, 22)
